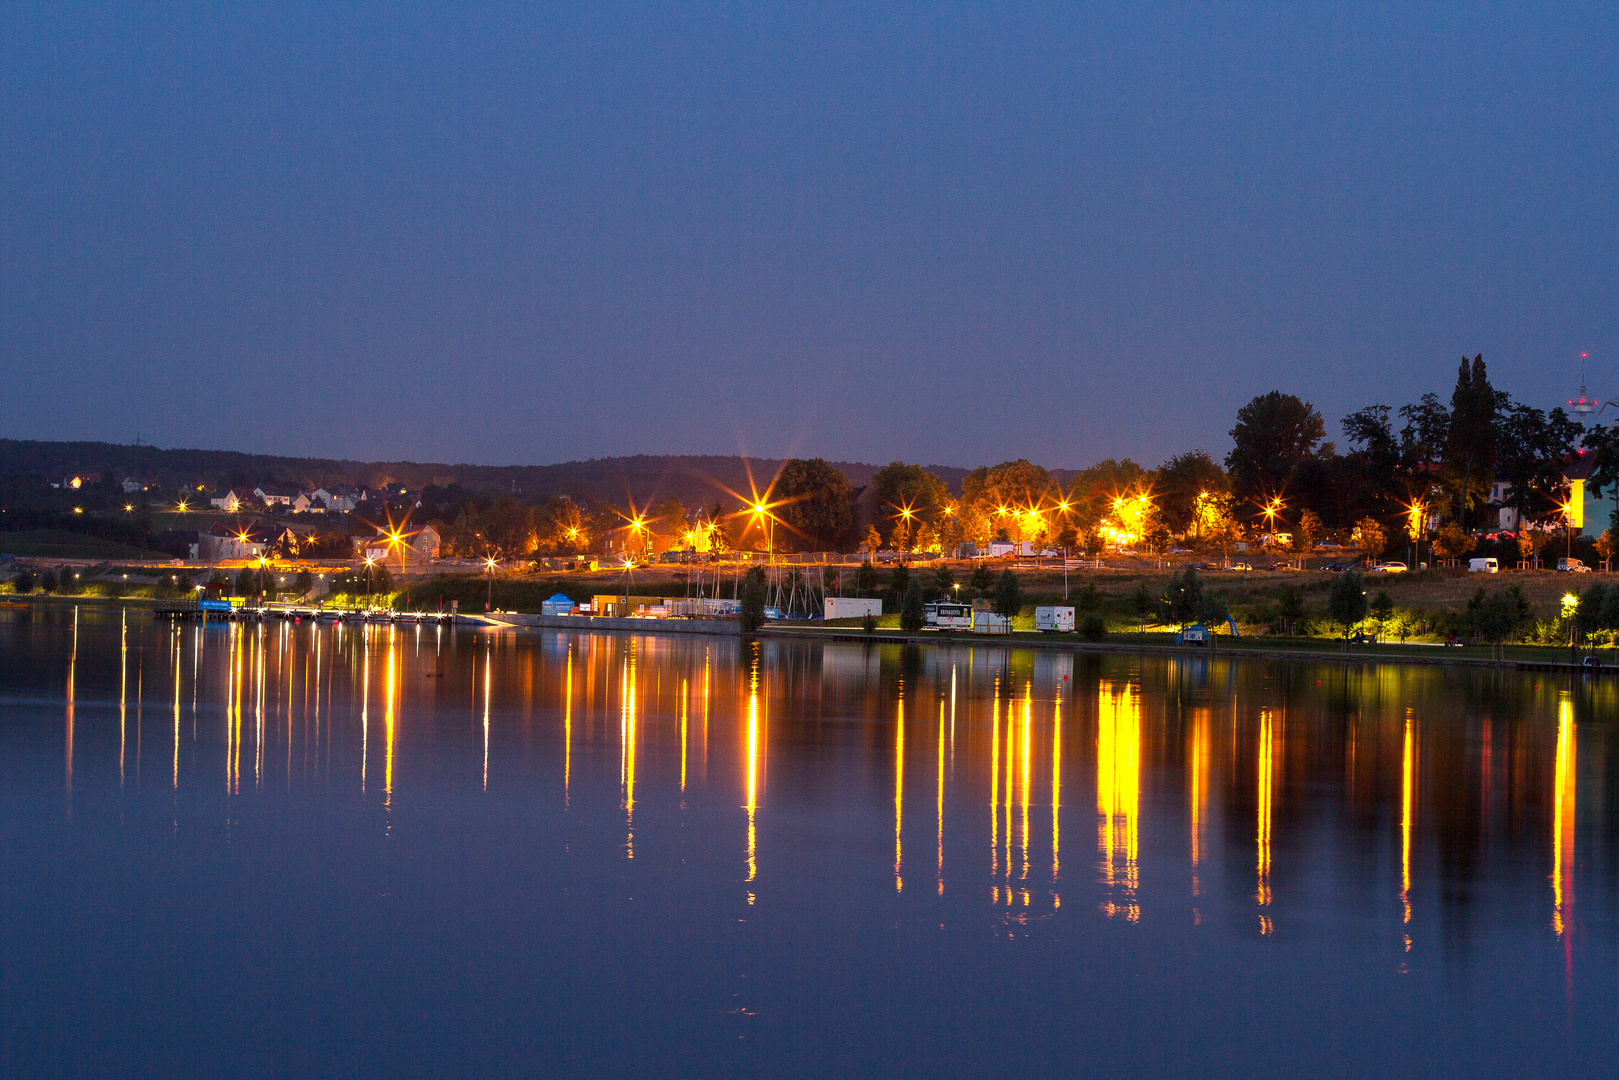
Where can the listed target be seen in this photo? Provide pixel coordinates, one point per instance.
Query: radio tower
(1585, 409)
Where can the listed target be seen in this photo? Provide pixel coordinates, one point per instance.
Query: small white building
(853, 607)
(228, 501)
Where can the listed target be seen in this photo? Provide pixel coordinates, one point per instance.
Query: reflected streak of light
(1028, 726)
(994, 783)
(286, 650)
(123, 685)
(628, 751)
(315, 633)
(753, 769)
(233, 763)
(1267, 787)
(365, 702)
(258, 707)
(952, 713)
(1007, 794)
(1118, 795)
(1408, 785)
(567, 736)
(486, 670)
(72, 684)
(685, 715)
(1563, 821)
(941, 799)
(177, 657)
(1056, 788)
(1200, 779)
(899, 792)
(388, 726)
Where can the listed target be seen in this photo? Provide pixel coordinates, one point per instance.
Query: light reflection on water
(1374, 824)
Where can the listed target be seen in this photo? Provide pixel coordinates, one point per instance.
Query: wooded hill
(642, 478)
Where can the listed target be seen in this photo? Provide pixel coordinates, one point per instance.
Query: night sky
(952, 234)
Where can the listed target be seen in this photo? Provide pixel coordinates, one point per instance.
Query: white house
(132, 486)
(422, 547)
(426, 543)
(336, 500)
(219, 542)
(276, 495)
(228, 501)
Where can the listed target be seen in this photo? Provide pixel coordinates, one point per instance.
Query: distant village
(1430, 483)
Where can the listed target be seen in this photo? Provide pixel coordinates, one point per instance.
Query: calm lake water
(301, 850)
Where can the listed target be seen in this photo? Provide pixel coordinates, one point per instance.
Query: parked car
(1244, 567)
(1572, 566)
(1390, 568)
(1483, 566)
(1335, 567)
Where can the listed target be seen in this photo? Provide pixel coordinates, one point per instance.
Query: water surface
(308, 850)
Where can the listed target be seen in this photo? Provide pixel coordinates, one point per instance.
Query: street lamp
(489, 595)
(368, 562)
(760, 509)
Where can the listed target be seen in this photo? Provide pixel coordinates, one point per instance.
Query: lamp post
(368, 562)
(489, 593)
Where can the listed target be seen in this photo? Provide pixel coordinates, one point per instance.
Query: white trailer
(1054, 620)
(947, 615)
(846, 607)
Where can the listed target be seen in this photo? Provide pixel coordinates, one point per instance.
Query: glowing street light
(489, 596)
(760, 509)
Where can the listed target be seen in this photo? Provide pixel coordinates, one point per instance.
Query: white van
(1483, 566)
(1053, 620)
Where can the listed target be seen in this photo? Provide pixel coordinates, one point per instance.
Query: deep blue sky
(954, 234)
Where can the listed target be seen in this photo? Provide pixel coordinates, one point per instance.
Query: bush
(753, 599)
(23, 583)
(1093, 628)
(911, 616)
(1182, 598)
(1089, 598)
(47, 583)
(1347, 600)
(1008, 595)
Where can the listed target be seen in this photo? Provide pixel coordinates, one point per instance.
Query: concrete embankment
(591, 624)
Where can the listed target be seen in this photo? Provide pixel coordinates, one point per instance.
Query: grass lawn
(59, 544)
